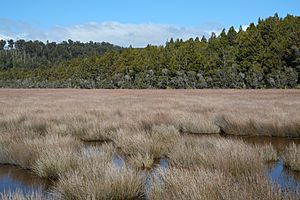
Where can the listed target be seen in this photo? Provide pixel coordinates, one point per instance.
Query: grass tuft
(267, 152)
(291, 157)
(101, 180)
(201, 183)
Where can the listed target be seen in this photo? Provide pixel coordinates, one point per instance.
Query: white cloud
(124, 34)
(4, 37)
(244, 27)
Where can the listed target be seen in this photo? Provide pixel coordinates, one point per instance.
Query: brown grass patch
(291, 157)
(42, 130)
(201, 183)
(233, 157)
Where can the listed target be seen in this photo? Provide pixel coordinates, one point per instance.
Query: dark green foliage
(35, 54)
(2, 44)
(266, 55)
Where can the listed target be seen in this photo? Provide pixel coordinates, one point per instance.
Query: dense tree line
(266, 55)
(35, 54)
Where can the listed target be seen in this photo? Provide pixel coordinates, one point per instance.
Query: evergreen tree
(266, 55)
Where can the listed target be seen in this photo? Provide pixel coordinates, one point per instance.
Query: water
(278, 143)
(13, 178)
(161, 164)
(16, 179)
(284, 177)
(278, 173)
(118, 161)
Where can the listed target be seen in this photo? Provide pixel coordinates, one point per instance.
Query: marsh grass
(291, 157)
(233, 125)
(156, 119)
(101, 180)
(62, 160)
(239, 112)
(233, 157)
(267, 152)
(55, 163)
(156, 142)
(143, 147)
(96, 131)
(201, 183)
(45, 130)
(25, 151)
(40, 128)
(19, 195)
(195, 123)
(141, 162)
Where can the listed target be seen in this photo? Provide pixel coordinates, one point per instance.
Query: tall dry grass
(97, 114)
(232, 157)
(56, 163)
(267, 152)
(19, 195)
(158, 142)
(291, 157)
(141, 148)
(46, 130)
(201, 183)
(99, 179)
(25, 151)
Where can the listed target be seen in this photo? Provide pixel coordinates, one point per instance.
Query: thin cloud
(123, 34)
(4, 37)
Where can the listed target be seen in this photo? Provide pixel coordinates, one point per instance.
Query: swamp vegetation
(151, 144)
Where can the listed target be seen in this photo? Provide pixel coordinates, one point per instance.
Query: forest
(266, 55)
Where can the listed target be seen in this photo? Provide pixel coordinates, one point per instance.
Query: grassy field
(73, 138)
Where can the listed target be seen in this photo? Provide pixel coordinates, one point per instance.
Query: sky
(131, 22)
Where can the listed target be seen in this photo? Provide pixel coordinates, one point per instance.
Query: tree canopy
(266, 55)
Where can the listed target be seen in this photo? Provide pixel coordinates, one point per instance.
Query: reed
(46, 130)
(19, 195)
(291, 157)
(101, 180)
(201, 183)
(267, 152)
(233, 157)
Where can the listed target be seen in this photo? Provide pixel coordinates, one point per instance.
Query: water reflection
(278, 143)
(118, 161)
(162, 164)
(283, 176)
(278, 173)
(13, 178)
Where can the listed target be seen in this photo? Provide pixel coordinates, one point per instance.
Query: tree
(231, 35)
(267, 54)
(203, 39)
(10, 44)
(2, 44)
(213, 36)
(20, 45)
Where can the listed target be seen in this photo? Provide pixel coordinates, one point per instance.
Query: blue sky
(131, 22)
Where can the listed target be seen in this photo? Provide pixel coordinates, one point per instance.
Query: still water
(16, 179)
(278, 173)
